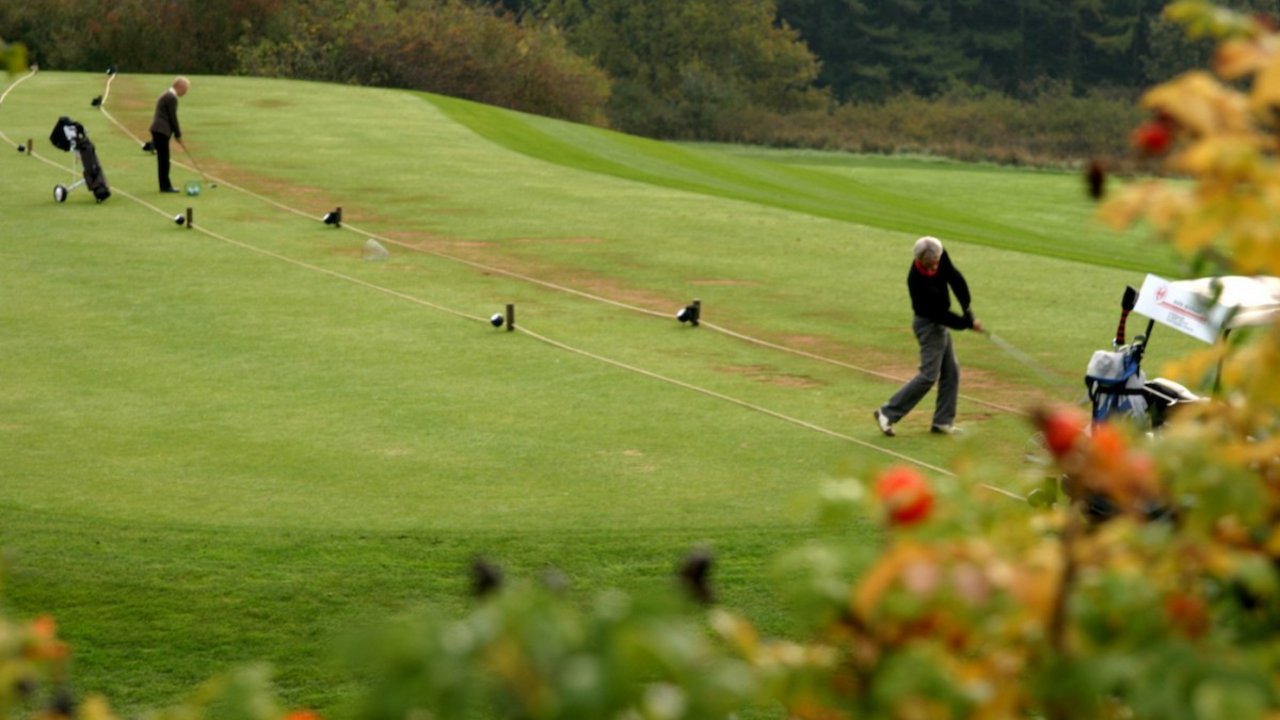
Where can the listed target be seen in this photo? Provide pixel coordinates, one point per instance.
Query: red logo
(1161, 292)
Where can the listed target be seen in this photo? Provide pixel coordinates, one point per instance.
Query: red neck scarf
(923, 271)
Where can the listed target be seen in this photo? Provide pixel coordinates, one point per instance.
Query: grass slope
(238, 446)
(973, 205)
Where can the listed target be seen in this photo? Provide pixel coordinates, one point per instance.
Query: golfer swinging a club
(165, 124)
(929, 280)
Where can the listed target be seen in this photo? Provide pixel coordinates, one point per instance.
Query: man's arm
(956, 280)
(171, 106)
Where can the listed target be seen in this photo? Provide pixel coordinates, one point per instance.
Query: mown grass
(240, 446)
(974, 205)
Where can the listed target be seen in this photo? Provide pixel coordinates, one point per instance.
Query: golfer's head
(928, 252)
(180, 86)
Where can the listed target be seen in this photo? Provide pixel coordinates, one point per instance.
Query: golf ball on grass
(496, 320)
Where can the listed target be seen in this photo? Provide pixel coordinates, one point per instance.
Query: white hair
(928, 248)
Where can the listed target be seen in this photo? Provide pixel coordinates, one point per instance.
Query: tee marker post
(511, 317)
(691, 313)
(190, 218)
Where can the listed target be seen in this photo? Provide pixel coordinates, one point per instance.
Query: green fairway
(238, 441)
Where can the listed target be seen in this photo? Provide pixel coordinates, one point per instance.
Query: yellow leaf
(1200, 104)
(1266, 87)
(736, 631)
(1193, 368)
(1236, 58)
(1234, 156)
(1255, 250)
(884, 574)
(1129, 205)
(96, 707)
(1167, 207)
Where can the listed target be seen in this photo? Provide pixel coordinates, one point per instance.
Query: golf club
(197, 164)
(1021, 357)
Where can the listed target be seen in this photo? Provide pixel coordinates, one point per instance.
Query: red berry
(906, 495)
(1187, 613)
(1152, 137)
(1062, 427)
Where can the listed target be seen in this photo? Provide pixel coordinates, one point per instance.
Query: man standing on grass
(165, 125)
(930, 281)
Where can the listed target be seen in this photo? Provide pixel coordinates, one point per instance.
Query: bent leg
(934, 340)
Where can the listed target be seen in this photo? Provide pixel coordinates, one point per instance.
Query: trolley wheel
(60, 193)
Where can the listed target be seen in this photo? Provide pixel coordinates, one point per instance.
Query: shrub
(1055, 128)
(445, 47)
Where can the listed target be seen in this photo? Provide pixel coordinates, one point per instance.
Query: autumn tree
(683, 68)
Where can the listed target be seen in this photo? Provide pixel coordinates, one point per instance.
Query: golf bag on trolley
(69, 136)
(1118, 387)
(1116, 383)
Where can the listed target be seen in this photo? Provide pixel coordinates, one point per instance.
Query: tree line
(786, 72)
(870, 50)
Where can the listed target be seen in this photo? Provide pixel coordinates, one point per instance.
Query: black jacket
(930, 299)
(165, 121)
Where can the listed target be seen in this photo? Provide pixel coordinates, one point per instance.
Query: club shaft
(1022, 358)
(195, 162)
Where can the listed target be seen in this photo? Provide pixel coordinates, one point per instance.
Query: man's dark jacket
(165, 121)
(930, 299)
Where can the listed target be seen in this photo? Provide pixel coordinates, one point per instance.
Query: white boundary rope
(5, 94)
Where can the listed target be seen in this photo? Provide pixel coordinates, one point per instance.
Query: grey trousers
(937, 366)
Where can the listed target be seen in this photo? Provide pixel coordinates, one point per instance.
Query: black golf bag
(69, 136)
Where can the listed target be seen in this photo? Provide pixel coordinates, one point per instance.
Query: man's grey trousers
(937, 366)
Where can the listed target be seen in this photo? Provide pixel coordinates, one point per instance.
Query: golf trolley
(69, 136)
(1117, 386)
(1207, 309)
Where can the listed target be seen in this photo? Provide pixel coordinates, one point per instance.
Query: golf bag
(69, 136)
(1116, 383)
